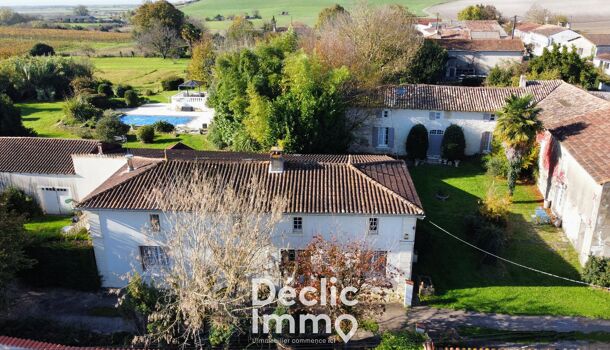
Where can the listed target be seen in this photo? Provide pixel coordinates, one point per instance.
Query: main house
(541, 36)
(343, 196)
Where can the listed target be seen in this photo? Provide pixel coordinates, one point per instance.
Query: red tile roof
(38, 155)
(604, 56)
(449, 97)
(527, 26)
(511, 45)
(320, 184)
(599, 39)
(17, 343)
(549, 29)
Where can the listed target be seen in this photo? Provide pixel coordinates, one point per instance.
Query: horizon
(64, 3)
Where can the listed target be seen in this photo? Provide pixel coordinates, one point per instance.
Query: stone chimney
(100, 148)
(129, 158)
(276, 163)
(522, 81)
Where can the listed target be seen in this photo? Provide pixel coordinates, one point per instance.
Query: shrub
(77, 110)
(109, 127)
(403, 340)
(487, 235)
(17, 201)
(417, 142)
(171, 83)
(41, 49)
(496, 165)
(495, 207)
(140, 298)
(131, 98)
(80, 84)
(148, 92)
(62, 264)
(121, 89)
(454, 143)
(100, 101)
(163, 126)
(146, 134)
(597, 271)
(105, 89)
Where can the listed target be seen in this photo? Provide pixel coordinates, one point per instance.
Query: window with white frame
(383, 137)
(297, 224)
(155, 222)
(434, 115)
(153, 257)
(490, 117)
(373, 226)
(386, 113)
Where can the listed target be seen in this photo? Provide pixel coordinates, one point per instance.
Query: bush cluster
(454, 143)
(417, 142)
(171, 83)
(131, 98)
(146, 134)
(163, 126)
(121, 89)
(110, 126)
(597, 271)
(105, 89)
(42, 49)
(17, 201)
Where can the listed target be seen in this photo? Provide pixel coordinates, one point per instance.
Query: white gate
(56, 200)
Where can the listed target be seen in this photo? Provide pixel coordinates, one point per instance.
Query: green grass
(298, 11)
(47, 228)
(463, 283)
(528, 337)
(139, 72)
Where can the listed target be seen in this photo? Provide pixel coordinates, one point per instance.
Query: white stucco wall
(92, 170)
(117, 236)
(402, 120)
(578, 206)
(483, 61)
(603, 64)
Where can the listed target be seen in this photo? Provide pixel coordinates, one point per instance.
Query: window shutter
(486, 116)
(375, 136)
(484, 141)
(142, 258)
(431, 115)
(391, 137)
(380, 113)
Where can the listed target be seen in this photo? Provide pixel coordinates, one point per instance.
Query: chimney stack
(129, 158)
(100, 148)
(522, 81)
(276, 164)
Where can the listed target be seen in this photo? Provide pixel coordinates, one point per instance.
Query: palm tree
(516, 128)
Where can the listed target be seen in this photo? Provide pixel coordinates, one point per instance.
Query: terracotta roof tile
(527, 26)
(599, 39)
(41, 155)
(323, 184)
(604, 56)
(449, 97)
(549, 29)
(482, 45)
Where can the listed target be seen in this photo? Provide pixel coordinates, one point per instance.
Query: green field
(140, 72)
(462, 282)
(298, 11)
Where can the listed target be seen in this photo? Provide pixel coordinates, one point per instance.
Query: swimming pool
(139, 120)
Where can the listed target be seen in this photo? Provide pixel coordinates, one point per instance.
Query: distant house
(540, 36)
(478, 57)
(342, 196)
(466, 30)
(56, 172)
(601, 57)
(575, 153)
(390, 112)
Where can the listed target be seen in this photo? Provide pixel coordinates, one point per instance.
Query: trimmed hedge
(597, 271)
(417, 142)
(62, 264)
(131, 98)
(454, 143)
(146, 133)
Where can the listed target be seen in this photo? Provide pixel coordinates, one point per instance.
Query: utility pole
(514, 24)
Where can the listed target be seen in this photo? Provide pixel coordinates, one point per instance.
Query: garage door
(56, 200)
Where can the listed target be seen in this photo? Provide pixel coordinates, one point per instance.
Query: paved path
(443, 319)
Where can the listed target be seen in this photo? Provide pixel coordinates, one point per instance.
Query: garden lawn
(47, 228)
(44, 118)
(298, 10)
(463, 283)
(139, 72)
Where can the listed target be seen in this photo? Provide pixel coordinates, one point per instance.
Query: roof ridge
(382, 186)
(94, 194)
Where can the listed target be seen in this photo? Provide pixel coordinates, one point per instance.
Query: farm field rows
(298, 11)
(140, 72)
(16, 40)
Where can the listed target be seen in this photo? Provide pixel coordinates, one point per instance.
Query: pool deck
(199, 118)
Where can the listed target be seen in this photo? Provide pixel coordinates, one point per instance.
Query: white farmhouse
(346, 196)
(56, 172)
(478, 57)
(574, 165)
(390, 112)
(541, 36)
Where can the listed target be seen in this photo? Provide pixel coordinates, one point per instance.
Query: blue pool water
(139, 120)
